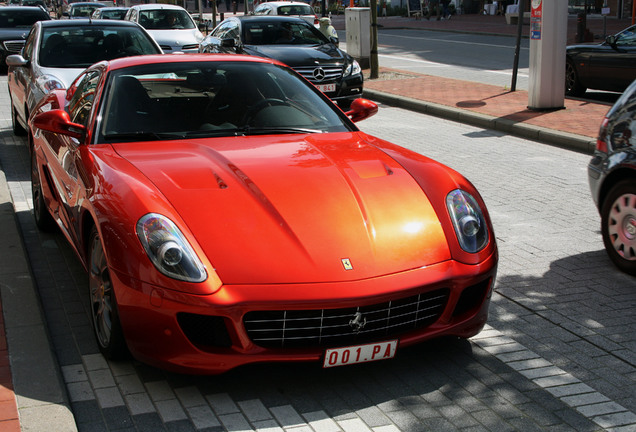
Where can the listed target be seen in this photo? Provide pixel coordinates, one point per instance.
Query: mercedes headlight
(353, 68)
(468, 221)
(168, 249)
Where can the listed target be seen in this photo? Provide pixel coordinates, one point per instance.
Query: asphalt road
(559, 352)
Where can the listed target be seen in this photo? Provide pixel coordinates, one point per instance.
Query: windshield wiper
(277, 130)
(143, 136)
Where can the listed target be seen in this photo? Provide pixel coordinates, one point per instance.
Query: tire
(618, 225)
(573, 86)
(43, 219)
(103, 304)
(17, 127)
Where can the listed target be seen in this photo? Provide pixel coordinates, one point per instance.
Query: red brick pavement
(578, 117)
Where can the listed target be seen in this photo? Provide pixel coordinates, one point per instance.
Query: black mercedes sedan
(296, 43)
(612, 178)
(609, 66)
(15, 23)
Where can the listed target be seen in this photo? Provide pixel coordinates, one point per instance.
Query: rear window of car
(17, 19)
(295, 10)
(80, 47)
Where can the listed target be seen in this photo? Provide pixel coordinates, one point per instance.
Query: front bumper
(213, 337)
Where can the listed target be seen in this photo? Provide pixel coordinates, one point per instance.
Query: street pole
(373, 60)
(515, 67)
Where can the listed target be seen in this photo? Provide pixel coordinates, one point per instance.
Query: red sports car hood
(295, 208)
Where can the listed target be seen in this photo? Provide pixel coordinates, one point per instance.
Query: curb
(37, 383)
(579, 143)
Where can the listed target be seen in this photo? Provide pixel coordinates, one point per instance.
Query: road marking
(453, 41)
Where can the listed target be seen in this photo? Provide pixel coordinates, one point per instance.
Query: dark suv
(612, 178)
(15, 24)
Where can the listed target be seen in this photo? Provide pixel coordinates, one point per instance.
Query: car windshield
(212, 99)
(20, 19)
(165, 19)
(80, 47)
(627, 37)
(281, 33)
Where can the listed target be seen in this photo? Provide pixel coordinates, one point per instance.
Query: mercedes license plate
(360, 353)
(325, 88)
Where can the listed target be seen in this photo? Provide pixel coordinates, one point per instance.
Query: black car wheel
(43, 219)
(17, 127)
(618, 225)
(103, 303)
(573, 86)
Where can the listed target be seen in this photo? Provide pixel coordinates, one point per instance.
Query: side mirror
(16, 60)
(334, 40)
(58, 121)
(228, 43)
(611, 40)
(362, 109)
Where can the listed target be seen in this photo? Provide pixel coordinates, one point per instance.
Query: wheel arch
(616, 176)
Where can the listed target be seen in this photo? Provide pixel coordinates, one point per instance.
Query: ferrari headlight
(49, 83)
(168, 249)
(353, 69)
(468, 221)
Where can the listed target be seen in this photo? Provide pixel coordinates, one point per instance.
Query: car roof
(154, 6)
(270, 18)
(22, 8)
(87, 22)
(285, 3)
(86, 4)
(125, 62)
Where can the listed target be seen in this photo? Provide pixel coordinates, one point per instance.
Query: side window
(81, 103)
(225, 31)
(27, 51)
(232, 32)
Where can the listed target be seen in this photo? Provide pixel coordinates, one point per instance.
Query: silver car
(172, 26)
(57, 51)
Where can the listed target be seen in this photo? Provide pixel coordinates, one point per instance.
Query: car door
(613, 67)
(64, 156)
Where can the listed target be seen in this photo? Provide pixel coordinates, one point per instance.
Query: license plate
(360, 353)
(326, 87)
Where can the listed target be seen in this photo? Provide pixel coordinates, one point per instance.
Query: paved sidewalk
(24, 343)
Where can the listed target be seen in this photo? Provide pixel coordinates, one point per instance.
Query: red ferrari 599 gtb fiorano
(228, 213)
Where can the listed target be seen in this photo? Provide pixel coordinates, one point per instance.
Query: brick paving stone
(321, 422)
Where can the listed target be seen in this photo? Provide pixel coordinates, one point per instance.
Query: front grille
(14, 46)
(332, 327)
(331, 73)
(190, 47)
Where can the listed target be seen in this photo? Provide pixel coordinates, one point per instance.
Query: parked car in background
(115, 13)
(36, 3)
(227, 213)
(57, 51)
(82, 10)
(287, 8)
(296, 43)
(171, 26)
(612, 178)
(15, 24)
(609, 66)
